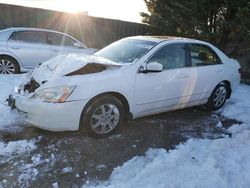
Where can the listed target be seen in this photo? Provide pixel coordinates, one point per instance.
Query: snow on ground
(15, 149)
(239, 105)
(7, 83)
(203, 163)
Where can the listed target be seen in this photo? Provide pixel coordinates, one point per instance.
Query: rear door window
(38, 37)
(202, 55)
(61, 40)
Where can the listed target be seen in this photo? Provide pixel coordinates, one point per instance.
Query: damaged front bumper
(49, 116)
(64, 116)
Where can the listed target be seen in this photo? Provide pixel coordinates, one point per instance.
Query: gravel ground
(70, 159)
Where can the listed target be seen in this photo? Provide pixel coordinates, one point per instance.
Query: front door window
(171, 56)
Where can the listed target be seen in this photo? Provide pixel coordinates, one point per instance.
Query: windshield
(126, 50)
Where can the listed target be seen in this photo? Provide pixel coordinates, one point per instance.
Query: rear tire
(8, 65)
(218, 97)
(103, 117)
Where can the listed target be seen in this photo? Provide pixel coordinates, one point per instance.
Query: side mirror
(154, 67)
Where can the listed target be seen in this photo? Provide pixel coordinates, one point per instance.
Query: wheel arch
(210, 103)
(11, 57)
(228, 84)
(119, 96)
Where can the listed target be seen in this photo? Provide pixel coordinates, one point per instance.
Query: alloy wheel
(220, 96)
(6, 67)
(105, 118)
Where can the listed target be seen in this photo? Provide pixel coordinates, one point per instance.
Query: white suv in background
(22, 49)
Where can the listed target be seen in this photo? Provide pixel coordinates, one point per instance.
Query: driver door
(157, 92)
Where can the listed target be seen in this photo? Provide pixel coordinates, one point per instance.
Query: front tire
(103, 116)
(8, 65)
(218, 97)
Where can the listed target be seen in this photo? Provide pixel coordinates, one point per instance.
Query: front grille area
(31, 86)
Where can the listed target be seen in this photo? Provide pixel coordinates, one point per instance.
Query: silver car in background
(22, 49)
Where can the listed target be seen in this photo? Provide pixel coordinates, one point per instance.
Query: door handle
(182, 76)
(15, 47)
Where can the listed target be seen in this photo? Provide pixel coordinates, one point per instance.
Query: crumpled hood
(71, 64)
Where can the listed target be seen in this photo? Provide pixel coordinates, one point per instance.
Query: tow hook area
(11, 102)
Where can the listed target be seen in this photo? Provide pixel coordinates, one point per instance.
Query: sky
(128, 10)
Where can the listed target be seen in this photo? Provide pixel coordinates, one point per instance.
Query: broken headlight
(54, 94)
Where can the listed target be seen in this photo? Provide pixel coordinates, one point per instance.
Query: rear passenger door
(30, 47)
(62, 44)
(206, 71)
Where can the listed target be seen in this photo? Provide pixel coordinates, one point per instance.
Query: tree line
(225, 23)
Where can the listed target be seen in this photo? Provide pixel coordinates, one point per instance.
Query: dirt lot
(70, 159)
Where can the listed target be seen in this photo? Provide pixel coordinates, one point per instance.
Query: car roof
(13, 29)
(159, 39)
(30, 29)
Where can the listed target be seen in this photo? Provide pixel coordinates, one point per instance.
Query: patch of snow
(8, 118)
(239, 105)
(14, 149)
(29, 171)
(37, 159)
(115, 136)
(67, 169)
(77, 175)
(17, 147)
(219, 124)
(28, 175)
(218, 163)
(53, 158)
(101, 167)
(55, 185)
(214, 116)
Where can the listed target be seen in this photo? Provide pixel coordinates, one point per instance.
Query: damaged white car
(131, 78)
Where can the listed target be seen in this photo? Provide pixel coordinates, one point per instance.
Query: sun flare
(72, 6)
(116, 9)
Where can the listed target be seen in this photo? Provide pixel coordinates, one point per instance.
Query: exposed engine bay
(31, 86)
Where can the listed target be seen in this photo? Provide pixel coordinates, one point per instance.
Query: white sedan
(131, 78)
